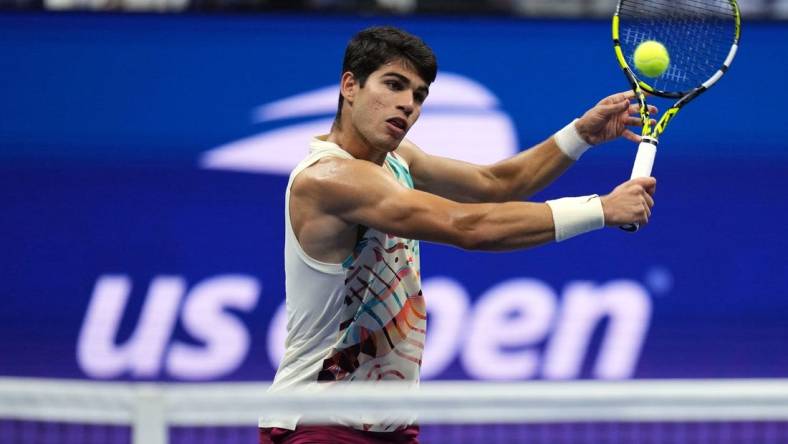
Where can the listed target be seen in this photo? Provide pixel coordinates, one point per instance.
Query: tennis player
(358, 205)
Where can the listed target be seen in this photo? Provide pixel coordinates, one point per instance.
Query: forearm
(518, 225)
(485, 226)
(501, 226)
(525, 174)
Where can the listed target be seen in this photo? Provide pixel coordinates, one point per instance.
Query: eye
(394, 85)
(420, 97)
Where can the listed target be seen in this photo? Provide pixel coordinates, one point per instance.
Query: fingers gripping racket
(701, 37)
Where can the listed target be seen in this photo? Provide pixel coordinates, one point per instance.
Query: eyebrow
(406, 80)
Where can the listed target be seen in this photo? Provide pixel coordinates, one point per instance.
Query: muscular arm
(518, 177)
(335, 195)
(360, 192)
(525, 174)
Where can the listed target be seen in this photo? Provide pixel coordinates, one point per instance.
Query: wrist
(570, 142)
(573, 216)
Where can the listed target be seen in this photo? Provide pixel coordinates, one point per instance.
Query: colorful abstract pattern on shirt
(383, 328)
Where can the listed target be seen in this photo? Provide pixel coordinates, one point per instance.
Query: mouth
(398, 123)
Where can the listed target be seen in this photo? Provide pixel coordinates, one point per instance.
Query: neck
(350, 140)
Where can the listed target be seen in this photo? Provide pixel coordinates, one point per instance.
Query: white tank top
(361, 320)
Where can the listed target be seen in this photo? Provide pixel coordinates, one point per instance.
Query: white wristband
(570, 142)
(576, 215)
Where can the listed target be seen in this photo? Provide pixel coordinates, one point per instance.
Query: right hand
(630, 202)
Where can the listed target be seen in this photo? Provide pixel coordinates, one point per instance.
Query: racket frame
(644, 161)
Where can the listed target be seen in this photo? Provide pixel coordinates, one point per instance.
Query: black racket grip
(630, 228)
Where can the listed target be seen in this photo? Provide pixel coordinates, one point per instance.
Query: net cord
(151, 408)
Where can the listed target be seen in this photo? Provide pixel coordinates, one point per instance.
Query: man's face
(388, 105)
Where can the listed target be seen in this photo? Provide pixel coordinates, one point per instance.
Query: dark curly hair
(374, 47)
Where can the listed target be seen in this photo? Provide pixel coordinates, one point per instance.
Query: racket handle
(644, 163)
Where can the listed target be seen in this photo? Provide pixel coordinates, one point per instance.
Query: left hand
(610, 118)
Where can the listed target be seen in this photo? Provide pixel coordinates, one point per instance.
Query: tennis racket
(701, 37)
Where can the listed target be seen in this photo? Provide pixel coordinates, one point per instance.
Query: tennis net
(35, 411)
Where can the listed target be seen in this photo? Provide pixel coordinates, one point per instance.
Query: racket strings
(698, 35)
(691, 8)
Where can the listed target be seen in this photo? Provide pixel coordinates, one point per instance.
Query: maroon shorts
(337, 434)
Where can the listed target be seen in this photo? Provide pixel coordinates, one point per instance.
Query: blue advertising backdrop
(127, 255)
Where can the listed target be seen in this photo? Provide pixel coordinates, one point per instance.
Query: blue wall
(104, 119)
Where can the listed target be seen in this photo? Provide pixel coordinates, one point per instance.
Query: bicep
(361, 193)
(384, 204)
(413, 214)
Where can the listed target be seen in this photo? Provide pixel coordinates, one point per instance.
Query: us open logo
(461, 119)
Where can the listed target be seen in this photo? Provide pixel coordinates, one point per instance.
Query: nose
(407, 105)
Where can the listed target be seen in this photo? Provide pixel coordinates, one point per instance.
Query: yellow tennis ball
(651, 58)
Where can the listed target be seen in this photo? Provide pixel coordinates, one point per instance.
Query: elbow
(500, 187)
(480, 241)
(471, 242)
(468, 234)
(467, 242)
(496, 190)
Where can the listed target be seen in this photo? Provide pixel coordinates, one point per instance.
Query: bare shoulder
(318, 181)
(317, 197)
(334, 183)
(323, 175)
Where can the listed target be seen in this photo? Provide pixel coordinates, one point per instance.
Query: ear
(348, 86)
